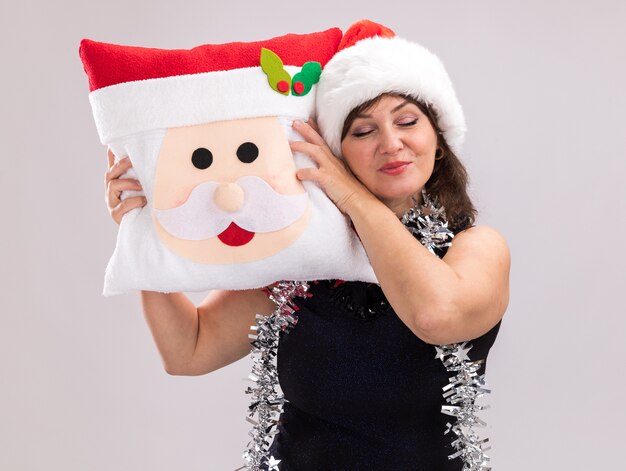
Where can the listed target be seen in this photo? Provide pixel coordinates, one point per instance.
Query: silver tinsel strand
(429, 224)
(266, 399)
(465, 386)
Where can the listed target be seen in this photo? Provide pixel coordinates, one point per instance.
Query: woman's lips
(394, 168)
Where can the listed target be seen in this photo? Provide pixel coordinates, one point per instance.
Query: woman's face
(391, 147)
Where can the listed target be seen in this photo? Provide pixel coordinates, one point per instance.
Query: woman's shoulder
(480, 239)
(481, 234)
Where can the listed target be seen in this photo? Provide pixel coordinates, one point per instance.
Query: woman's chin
(400, 193)
(398, 202)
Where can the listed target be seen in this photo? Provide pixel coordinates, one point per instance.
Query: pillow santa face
(226, 192)
(208, 131)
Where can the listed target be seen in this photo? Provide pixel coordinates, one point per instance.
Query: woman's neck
(400, 205)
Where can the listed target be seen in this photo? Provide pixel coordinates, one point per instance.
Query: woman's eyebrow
(404, 103)
(365, 115)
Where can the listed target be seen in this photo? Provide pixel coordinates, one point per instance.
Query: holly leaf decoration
(278, 78)
(304, 80)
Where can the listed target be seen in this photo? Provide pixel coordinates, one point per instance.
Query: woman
(359, 371)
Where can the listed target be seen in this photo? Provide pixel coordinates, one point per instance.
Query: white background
(542, 85)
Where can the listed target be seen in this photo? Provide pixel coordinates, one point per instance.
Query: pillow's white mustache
(263, 210)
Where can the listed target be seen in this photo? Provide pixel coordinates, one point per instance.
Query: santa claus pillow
(207, 132)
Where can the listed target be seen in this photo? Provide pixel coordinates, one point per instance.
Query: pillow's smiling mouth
(235, 236)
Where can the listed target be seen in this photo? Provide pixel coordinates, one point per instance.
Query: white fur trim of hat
(378, 65)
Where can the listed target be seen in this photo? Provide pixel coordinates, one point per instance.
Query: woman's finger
(311, 122)
(117, 186)
(127, 205)
(309, 133)
(110, 157)
(118, 169)
(308, 174)
(314, 151)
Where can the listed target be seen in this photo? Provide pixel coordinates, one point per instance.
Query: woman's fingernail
(297, 122)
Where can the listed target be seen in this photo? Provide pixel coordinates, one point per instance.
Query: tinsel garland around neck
(429, 225)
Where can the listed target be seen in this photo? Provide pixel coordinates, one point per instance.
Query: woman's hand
(332, 174)
(114, 186)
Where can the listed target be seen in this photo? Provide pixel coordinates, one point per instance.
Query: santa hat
(372, 61)
(135, 89)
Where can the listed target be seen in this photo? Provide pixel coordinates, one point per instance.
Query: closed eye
(361, 133)
(408, 124)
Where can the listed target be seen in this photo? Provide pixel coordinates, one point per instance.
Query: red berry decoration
(304, 80)
(298, 87)
(283, 86)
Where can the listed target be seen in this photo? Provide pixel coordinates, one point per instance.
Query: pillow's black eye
(247, 152)
(201, 158)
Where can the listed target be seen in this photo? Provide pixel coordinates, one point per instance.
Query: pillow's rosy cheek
(180, 195)
(285, 183)
(172, 193)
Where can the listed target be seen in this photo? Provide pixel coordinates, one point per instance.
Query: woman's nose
(390, 141)
(229, 197)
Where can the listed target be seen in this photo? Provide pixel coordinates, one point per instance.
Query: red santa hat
(135, 89)
(372, 61)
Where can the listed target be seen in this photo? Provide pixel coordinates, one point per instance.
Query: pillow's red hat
(136, 89)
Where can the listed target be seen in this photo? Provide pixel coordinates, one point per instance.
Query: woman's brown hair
(449, 180)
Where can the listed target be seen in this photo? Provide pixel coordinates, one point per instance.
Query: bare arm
(453, 299)
(194, 341)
